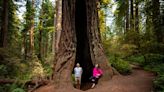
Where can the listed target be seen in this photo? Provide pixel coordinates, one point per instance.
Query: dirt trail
(138, 81)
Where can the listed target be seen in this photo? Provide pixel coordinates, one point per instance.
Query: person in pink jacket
(97, 73)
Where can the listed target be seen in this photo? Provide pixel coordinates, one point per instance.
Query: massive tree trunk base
(79, 42)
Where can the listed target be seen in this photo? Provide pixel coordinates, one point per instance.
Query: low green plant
(15, 87)
(3, 69)
(122, 66)
(5, 87)
(155, 63)
(159, 83)
(154, 59)
(18, 90)
(137, 59)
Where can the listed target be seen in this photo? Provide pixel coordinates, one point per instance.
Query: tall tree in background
(156, 20)
(132, 15)
(136, 16)
(24, 44)
(1, 23)
(29, 26)
(31, 29)
(4, 25)
(45, 28)
(79, 41)
(0, 14)
(162, 18)
(103, 11)
(127, 17)
(14, 28)
(155, 17)
(40, 38)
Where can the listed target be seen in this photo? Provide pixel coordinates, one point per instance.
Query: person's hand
(97, 76)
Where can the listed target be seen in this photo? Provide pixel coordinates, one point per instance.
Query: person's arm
(74, 70)
(96, 73)
(101, 72)
(81, 70)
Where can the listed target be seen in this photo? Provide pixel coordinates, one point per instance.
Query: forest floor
(139, 81)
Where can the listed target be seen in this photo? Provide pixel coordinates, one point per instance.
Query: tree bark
(40, 44)
(55, 25)
(79, 41)
(131, 15)
(53, 37)
(136, 17)
(162, 18)
(46, 44)
(31, 31)
(31, 39)
(96, 49)
(127, 17)
(137, 38)
(24, 45)
(58, 23)
(58, 28)
(65, 44)
(4, 27)
(156, 20)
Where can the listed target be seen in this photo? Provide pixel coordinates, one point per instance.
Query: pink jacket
(97, 72)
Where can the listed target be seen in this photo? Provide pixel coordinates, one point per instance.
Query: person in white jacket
(78, 73)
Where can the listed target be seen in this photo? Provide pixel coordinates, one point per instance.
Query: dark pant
(94, 80)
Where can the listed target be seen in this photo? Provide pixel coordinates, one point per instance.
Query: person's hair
(98, 65)
(78, 64)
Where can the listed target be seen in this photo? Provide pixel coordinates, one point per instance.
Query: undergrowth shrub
(18, 90)
(155, 63)
(120, 65)
(16, 68)
(11, 88)
(159, 83)
(153, 59)
(136, 59)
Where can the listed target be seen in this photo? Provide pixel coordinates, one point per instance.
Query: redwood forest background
(132, 32)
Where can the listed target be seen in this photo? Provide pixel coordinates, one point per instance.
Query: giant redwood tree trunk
(79, 41)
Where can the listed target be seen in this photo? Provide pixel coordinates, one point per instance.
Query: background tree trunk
(79, 41)
(46, 44)
(4, 26)
(24, 45)
(55, 25)
(136, 17)
(127, 17)
(162, 18)
(156, 20)
(131, 15)
(40, 44)
(31, 31)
